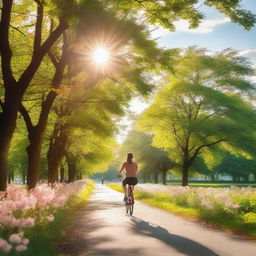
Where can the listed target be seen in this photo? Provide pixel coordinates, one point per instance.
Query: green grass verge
(222, 219)
(161, 201)
(44, 237)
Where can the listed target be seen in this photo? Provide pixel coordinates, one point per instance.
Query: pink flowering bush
(21, 209)
(227, 201)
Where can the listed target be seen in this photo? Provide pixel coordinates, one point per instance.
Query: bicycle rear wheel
(129, 208)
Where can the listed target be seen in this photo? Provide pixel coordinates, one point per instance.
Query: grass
(219, 218)
(161, 201)
(44, 237)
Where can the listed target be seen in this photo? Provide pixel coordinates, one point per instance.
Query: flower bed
(21, 210)
(230, 208)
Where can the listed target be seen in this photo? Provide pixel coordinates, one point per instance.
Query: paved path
(104, 229)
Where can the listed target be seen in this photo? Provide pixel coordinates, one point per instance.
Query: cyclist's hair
(129, 157)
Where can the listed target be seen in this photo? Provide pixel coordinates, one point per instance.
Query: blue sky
(215, 32)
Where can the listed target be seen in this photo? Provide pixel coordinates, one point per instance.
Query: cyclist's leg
(124, 183)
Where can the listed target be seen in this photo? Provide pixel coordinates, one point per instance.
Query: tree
(202, 108)
(84, 117)
(14, 86)
(238, 167)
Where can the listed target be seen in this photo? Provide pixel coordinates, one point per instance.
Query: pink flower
(15, 238)
(50, 218)
(21, 248)
(27, 223)
(5, 246)
(25, 241)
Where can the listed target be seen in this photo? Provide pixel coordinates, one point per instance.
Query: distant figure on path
(102, 181)
(130, 173)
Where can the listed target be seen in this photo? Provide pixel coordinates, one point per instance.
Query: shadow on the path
(116, 252)
(77, 243)
(181, 244)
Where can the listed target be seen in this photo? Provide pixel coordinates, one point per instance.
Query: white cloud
(247, 52)
(206, 26)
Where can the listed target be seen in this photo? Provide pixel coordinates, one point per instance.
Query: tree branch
(38, 27)
(32, 68)
(5, 48)
(205, 145)
(26, 117)
(198, 108)
(177, 138)
(214, 113)
(53, 59)
(17, 30)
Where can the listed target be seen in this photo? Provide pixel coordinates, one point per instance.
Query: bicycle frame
(129, 204)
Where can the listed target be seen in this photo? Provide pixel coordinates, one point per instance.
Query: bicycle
(129, 203)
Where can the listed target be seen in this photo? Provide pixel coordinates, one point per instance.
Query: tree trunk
(164, 172)
(156, 178)
(71, 173)
(24, 177)
(36, 134)
(212, 176)
(8, 118)
(246, 178)
(56, 152)
(185, 169)
(34, 156)
(9, 177)
(62, 174)
(53, 166)
(71, 167)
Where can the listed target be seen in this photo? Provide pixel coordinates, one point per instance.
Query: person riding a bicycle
(130, 168)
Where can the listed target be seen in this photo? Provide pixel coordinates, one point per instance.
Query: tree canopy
(46, 49)
(203, 107)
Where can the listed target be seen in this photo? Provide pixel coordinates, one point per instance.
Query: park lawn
(216, 217)
(45, 237)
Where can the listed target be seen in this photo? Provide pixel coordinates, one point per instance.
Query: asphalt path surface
(103, 228)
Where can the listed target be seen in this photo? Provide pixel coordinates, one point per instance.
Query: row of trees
(49, 81)
(202, 111)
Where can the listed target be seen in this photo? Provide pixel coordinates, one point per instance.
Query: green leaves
(203, 107)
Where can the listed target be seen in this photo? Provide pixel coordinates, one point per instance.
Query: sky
(216, 33)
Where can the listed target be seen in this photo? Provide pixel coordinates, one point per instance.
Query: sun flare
(101, 56)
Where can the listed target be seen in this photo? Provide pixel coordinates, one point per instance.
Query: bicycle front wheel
(131, 209)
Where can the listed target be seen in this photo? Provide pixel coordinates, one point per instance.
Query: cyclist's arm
(122, 168)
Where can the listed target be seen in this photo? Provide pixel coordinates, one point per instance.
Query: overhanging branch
(206, 145)
(26, 117)
(32, 68)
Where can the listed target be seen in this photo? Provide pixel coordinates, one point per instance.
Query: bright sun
(101, 56)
